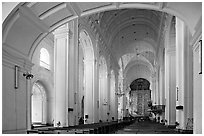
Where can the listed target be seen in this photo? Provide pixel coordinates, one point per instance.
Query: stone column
(73, 81)
(153, 87)
(96, 92)
(162, 90)
(116, 98)
(170, 86)
(108, 96)
(197, 87)
(184, 72)
(88, 101)
(61, 75)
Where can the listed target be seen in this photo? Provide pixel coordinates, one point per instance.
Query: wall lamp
(28, 75)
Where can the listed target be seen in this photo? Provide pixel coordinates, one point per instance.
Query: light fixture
(28, 75)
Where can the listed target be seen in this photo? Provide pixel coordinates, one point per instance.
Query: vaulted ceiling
(132, 35)
(131, 30)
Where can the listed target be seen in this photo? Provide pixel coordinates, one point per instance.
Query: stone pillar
(116, 99)
(96, 82)
(162, 90)
(29, 104)
(108, 96)
(61, 77)
(96, 92)
(73, 81)
(89, 95)
(112, 98)
(170, 86)
(184, 72)
(157, 87)
(103, 96)
(153, 92)
(197, 88)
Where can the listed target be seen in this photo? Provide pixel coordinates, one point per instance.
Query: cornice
(11, 57)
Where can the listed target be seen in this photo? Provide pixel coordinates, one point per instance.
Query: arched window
(44, 58)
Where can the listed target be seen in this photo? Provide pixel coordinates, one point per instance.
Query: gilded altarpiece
(139, 97)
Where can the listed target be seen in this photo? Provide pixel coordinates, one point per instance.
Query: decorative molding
(52, 11)
(98, 9)
(12, 57)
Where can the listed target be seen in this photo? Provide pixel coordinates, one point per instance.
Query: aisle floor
(146, 127)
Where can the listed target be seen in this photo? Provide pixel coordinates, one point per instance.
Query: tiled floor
(146, 127)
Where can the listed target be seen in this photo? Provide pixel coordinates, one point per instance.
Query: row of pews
(96, 128)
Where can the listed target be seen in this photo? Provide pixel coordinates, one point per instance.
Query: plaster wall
(45, 76)
(13, 102)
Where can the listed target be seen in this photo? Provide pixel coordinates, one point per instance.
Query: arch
(44, 58)
(140, 84)
(137, 71)
(86, 44)
(136, 61)
(87, 73)
(39, 103)
(181, 10)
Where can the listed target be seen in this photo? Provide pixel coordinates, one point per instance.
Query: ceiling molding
(99, 9)
(30, 16)
(52, 11)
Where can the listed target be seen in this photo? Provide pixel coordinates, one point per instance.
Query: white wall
(13, 101)
(44, 76)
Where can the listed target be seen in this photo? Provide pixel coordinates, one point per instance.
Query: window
(44, 58)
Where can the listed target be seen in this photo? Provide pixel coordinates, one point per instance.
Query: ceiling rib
(74, 8)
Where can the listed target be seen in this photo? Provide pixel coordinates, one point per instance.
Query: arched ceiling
(124, 26)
